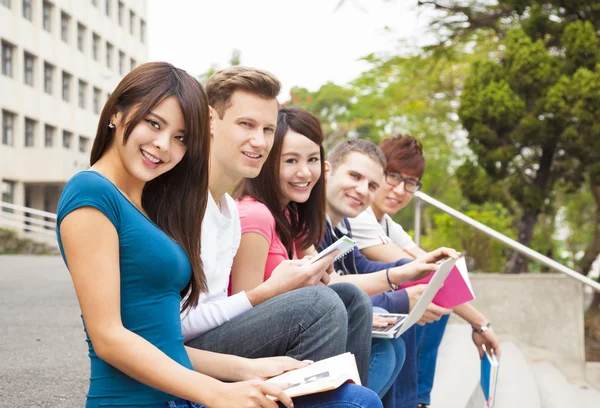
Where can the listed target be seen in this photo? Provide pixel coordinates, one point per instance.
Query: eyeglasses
(410, 185)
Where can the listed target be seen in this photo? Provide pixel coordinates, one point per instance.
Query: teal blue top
(154, 270)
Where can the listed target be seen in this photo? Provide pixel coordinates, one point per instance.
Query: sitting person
(355, 171)
(381, 239)
(287, 315)
(129, 232)
(282, 214)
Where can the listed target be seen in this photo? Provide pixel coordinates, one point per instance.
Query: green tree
(520, 105)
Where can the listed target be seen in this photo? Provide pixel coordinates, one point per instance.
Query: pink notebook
(457, 287)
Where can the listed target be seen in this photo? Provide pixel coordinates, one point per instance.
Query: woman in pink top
(282, 214)
(269, 237)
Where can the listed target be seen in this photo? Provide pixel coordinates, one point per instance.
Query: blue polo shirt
(153, 271)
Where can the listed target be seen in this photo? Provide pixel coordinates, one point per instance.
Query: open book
(489, 378)
(404, 322)
(457, 287)
(324, 375)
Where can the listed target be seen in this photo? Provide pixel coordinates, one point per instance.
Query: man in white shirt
(291, 313)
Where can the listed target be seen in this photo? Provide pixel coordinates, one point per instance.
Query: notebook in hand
(489, 378)
(456, 290)
(404, 322)
(344, 245)
(324, 375)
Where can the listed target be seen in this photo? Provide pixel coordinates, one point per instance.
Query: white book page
(325, 374)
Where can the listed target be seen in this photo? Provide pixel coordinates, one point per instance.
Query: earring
(111, 125)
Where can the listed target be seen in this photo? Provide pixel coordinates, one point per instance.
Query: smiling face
(299, 167)
(390, 199)
(351, 187)
(243, 138)
(156, 144)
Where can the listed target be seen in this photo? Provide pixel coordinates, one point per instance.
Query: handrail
(27, 210)
(421, 197)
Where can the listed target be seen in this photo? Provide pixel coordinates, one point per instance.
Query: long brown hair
(176, 200)
(302, 223)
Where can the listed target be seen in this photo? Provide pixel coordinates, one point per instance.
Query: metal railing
(421, 197)
(31, 222)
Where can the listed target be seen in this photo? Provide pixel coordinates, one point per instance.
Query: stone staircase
(539, 321)
(527, 382)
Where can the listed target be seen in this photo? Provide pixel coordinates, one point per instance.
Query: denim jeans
(406, 384)
(403, 393)
(179, 404)
(346, 396)
(429, 338)
(309, 323)
(387, 358)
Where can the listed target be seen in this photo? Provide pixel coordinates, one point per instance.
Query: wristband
(387, 275)
(483, 328)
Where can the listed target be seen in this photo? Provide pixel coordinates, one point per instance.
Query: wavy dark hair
(302, 223)
(176, 200)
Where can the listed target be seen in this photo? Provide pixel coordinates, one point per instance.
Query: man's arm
(390, 252)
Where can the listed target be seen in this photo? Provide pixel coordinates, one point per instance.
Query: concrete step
(557, 392)
(458, 370)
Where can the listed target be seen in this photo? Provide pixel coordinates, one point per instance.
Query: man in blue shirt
(354, 171)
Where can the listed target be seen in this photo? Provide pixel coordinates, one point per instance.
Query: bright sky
(303, 42)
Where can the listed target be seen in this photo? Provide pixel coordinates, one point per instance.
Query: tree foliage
(529, 108)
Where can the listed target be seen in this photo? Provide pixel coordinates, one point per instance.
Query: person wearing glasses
(382, 239)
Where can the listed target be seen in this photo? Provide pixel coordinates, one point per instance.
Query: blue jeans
(387, 358)
(406, 384)
(179, 404)
(403, 393)
(429, 337)
(346, 396)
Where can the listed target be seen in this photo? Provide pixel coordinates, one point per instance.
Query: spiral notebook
(345, 245)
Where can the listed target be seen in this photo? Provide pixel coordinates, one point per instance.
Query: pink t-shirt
(256, 217)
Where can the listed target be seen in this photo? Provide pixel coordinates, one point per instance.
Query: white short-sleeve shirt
(367, 231)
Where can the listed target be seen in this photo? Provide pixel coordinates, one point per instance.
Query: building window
(49, 134)
(65, 22)
(131, 22)
(30, 126)
(67, 139)
(8, 193)
(81, 30)
(107, 7)
(132, 64)
(109, 55)
(66, 86)
(142, 31)
(83, 144)
(95, 46)
(121, 13)
(48, 78)
(47, 12)
(5, 3)
(8, 128)
(27, 10)
(8, 51)
(82, 94)
(121, 63)
(97, 94)
(28, 68)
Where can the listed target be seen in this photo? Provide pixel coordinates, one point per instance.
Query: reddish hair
(404, 154)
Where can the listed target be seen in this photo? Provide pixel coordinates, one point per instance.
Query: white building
(60, 61)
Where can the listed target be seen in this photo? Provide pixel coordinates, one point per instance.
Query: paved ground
(43, 354)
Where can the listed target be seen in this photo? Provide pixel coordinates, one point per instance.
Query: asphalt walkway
(43, 354)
